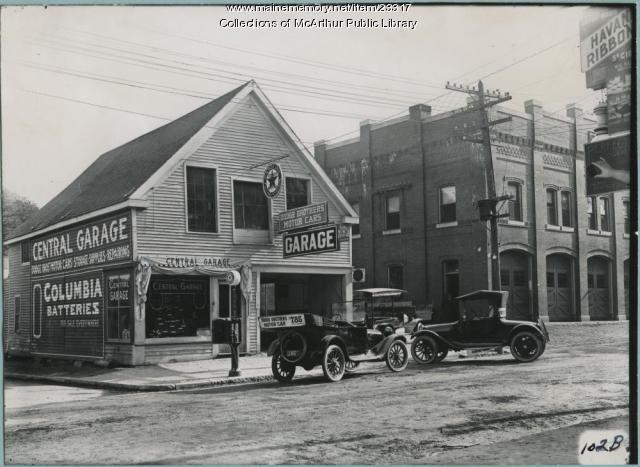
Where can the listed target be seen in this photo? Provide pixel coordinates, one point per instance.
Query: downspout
(371, 184)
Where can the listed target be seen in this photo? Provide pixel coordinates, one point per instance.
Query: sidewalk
(161, 377)
(208, 373)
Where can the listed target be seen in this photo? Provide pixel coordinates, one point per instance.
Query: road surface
(460, 411)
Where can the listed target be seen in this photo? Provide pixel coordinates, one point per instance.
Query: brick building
(415, 182)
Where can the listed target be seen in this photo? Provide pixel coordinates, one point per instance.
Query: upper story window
(297, 192)
(25, 251)
(355, 228)
(625, 215)
(514, 189)
(250, 206)
(592, 213)
(395, 277)
(447, 204)
(392, 211)
(565, 204)
(201, 200)
(552, 207)
(605, 214)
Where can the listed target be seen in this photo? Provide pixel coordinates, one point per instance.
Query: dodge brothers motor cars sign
(306, 216)
(310, 241)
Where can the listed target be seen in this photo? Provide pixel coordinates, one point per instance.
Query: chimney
(574, 111)
(419, 112)
(532, 105)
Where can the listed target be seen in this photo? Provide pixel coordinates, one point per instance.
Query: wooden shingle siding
(17, 284)
(246, 139)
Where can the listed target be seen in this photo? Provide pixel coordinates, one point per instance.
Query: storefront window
(119, 306)
(250, 206)
(177, 306)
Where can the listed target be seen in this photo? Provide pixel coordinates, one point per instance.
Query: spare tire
(293, 347)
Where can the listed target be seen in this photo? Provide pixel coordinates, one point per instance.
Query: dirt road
(445, 413)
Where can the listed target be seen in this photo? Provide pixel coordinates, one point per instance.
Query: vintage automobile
(308, 340)
(383, 307)
(481, 325)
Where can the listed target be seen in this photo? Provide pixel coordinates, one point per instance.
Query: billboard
(608, 165)
(96, 243)
(68, 315)
(605, 45)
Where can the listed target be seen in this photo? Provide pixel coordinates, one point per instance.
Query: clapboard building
(415, 182)
(134, 259)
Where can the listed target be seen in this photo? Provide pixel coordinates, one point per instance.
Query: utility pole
(488, 207)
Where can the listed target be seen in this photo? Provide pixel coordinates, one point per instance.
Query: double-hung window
(395, 277)
(297, 192)
(605, 214)
(552, 207)
(565, 205)
(514, 189)
(201, 200)
(251, 211)
(447, 204)
(392, 211)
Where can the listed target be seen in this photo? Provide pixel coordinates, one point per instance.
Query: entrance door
(514, 278)
(559, 288)
(626, 287)
(598, 285)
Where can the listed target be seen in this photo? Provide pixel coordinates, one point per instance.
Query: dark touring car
(481, 325)
(308, 340)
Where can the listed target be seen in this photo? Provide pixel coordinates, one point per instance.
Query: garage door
(514, 278)
(559, 288)
(598, 286)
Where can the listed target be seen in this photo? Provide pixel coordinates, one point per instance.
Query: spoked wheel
(424, 349)
(351, 366)
(334, 363)
(282, 370)
(397, 356)
(526, 346)
(442, 354)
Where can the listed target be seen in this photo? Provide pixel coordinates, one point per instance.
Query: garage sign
(311, 241)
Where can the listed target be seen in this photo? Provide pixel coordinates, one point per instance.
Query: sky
(79, 81)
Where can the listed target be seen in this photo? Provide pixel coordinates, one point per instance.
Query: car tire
(334, 363)
(397, 356)
(282, 370)
(285, 341)
(441, 354)
(351, 366)
(526, 346)
(424, 349)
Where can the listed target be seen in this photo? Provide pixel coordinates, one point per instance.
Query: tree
(15, 210)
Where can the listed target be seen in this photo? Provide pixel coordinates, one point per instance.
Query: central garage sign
(312, 241)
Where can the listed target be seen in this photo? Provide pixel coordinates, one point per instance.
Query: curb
(141, 387)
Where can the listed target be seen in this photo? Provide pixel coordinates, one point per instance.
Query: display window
(177, 306)
(119, 306)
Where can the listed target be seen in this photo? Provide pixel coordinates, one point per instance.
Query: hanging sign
(309, 242)
(299, 218)
(608, 164)
(272, 180)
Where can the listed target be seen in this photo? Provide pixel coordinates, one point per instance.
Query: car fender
(438, 338)
(333, 339)
(272, 347)
(384, 344)
(527, 327)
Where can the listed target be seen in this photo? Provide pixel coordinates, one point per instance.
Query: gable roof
(118, 173)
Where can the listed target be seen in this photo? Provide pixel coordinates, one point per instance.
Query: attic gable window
(201, 193)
